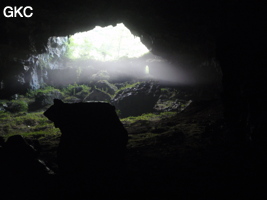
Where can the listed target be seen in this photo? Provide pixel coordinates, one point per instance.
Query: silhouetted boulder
(137, 100)
(23, 174)
(106, 86)
(43, 99)
(2, 141)
(97, 95)
(23, 158)
(92, 144)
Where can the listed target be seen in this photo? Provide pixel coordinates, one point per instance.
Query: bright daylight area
(106, 44)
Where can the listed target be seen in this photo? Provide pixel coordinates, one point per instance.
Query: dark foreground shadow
(22, 174)
(91, 161)
(91, 150)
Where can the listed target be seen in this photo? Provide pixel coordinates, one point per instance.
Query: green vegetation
(77, 49)
(42, 134)
(45, 90)
(107, 43)
(148, 117)
(26, 124)
(4, 115)
(138, 140)
(163, 89)
(72, 91)
(75, 89)
(35, 125)
(104, 85)
(17, 106)
(128, 85)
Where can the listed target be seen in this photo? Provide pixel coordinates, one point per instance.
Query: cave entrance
(110, 53)
(105, 44)
(110, 64)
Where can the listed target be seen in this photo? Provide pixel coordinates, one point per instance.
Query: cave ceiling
(175, 30)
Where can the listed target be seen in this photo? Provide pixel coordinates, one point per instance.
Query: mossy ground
(176, 156)
(168, 153)
(151, 136)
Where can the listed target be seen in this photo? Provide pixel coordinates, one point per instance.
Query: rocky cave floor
(185, 156)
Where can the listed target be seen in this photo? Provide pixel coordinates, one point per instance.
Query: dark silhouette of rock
(92, 145)
(23, 175)
(137, 100)
(44, 99)
(21, 156)
(2, 141)
(97, 95)
(106, 86)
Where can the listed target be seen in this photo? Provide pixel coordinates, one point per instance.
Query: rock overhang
(167, 28)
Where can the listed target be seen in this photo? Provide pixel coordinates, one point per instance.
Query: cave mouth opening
(111, 51)
(107, 64)
(108, 60)
(105, 44)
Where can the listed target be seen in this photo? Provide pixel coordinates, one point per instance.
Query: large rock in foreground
(91, 150)
(137, 100)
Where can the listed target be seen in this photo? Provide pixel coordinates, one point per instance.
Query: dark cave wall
(186, 33)
(240, 50)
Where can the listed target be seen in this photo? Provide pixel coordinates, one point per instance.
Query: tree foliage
(108, 43)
